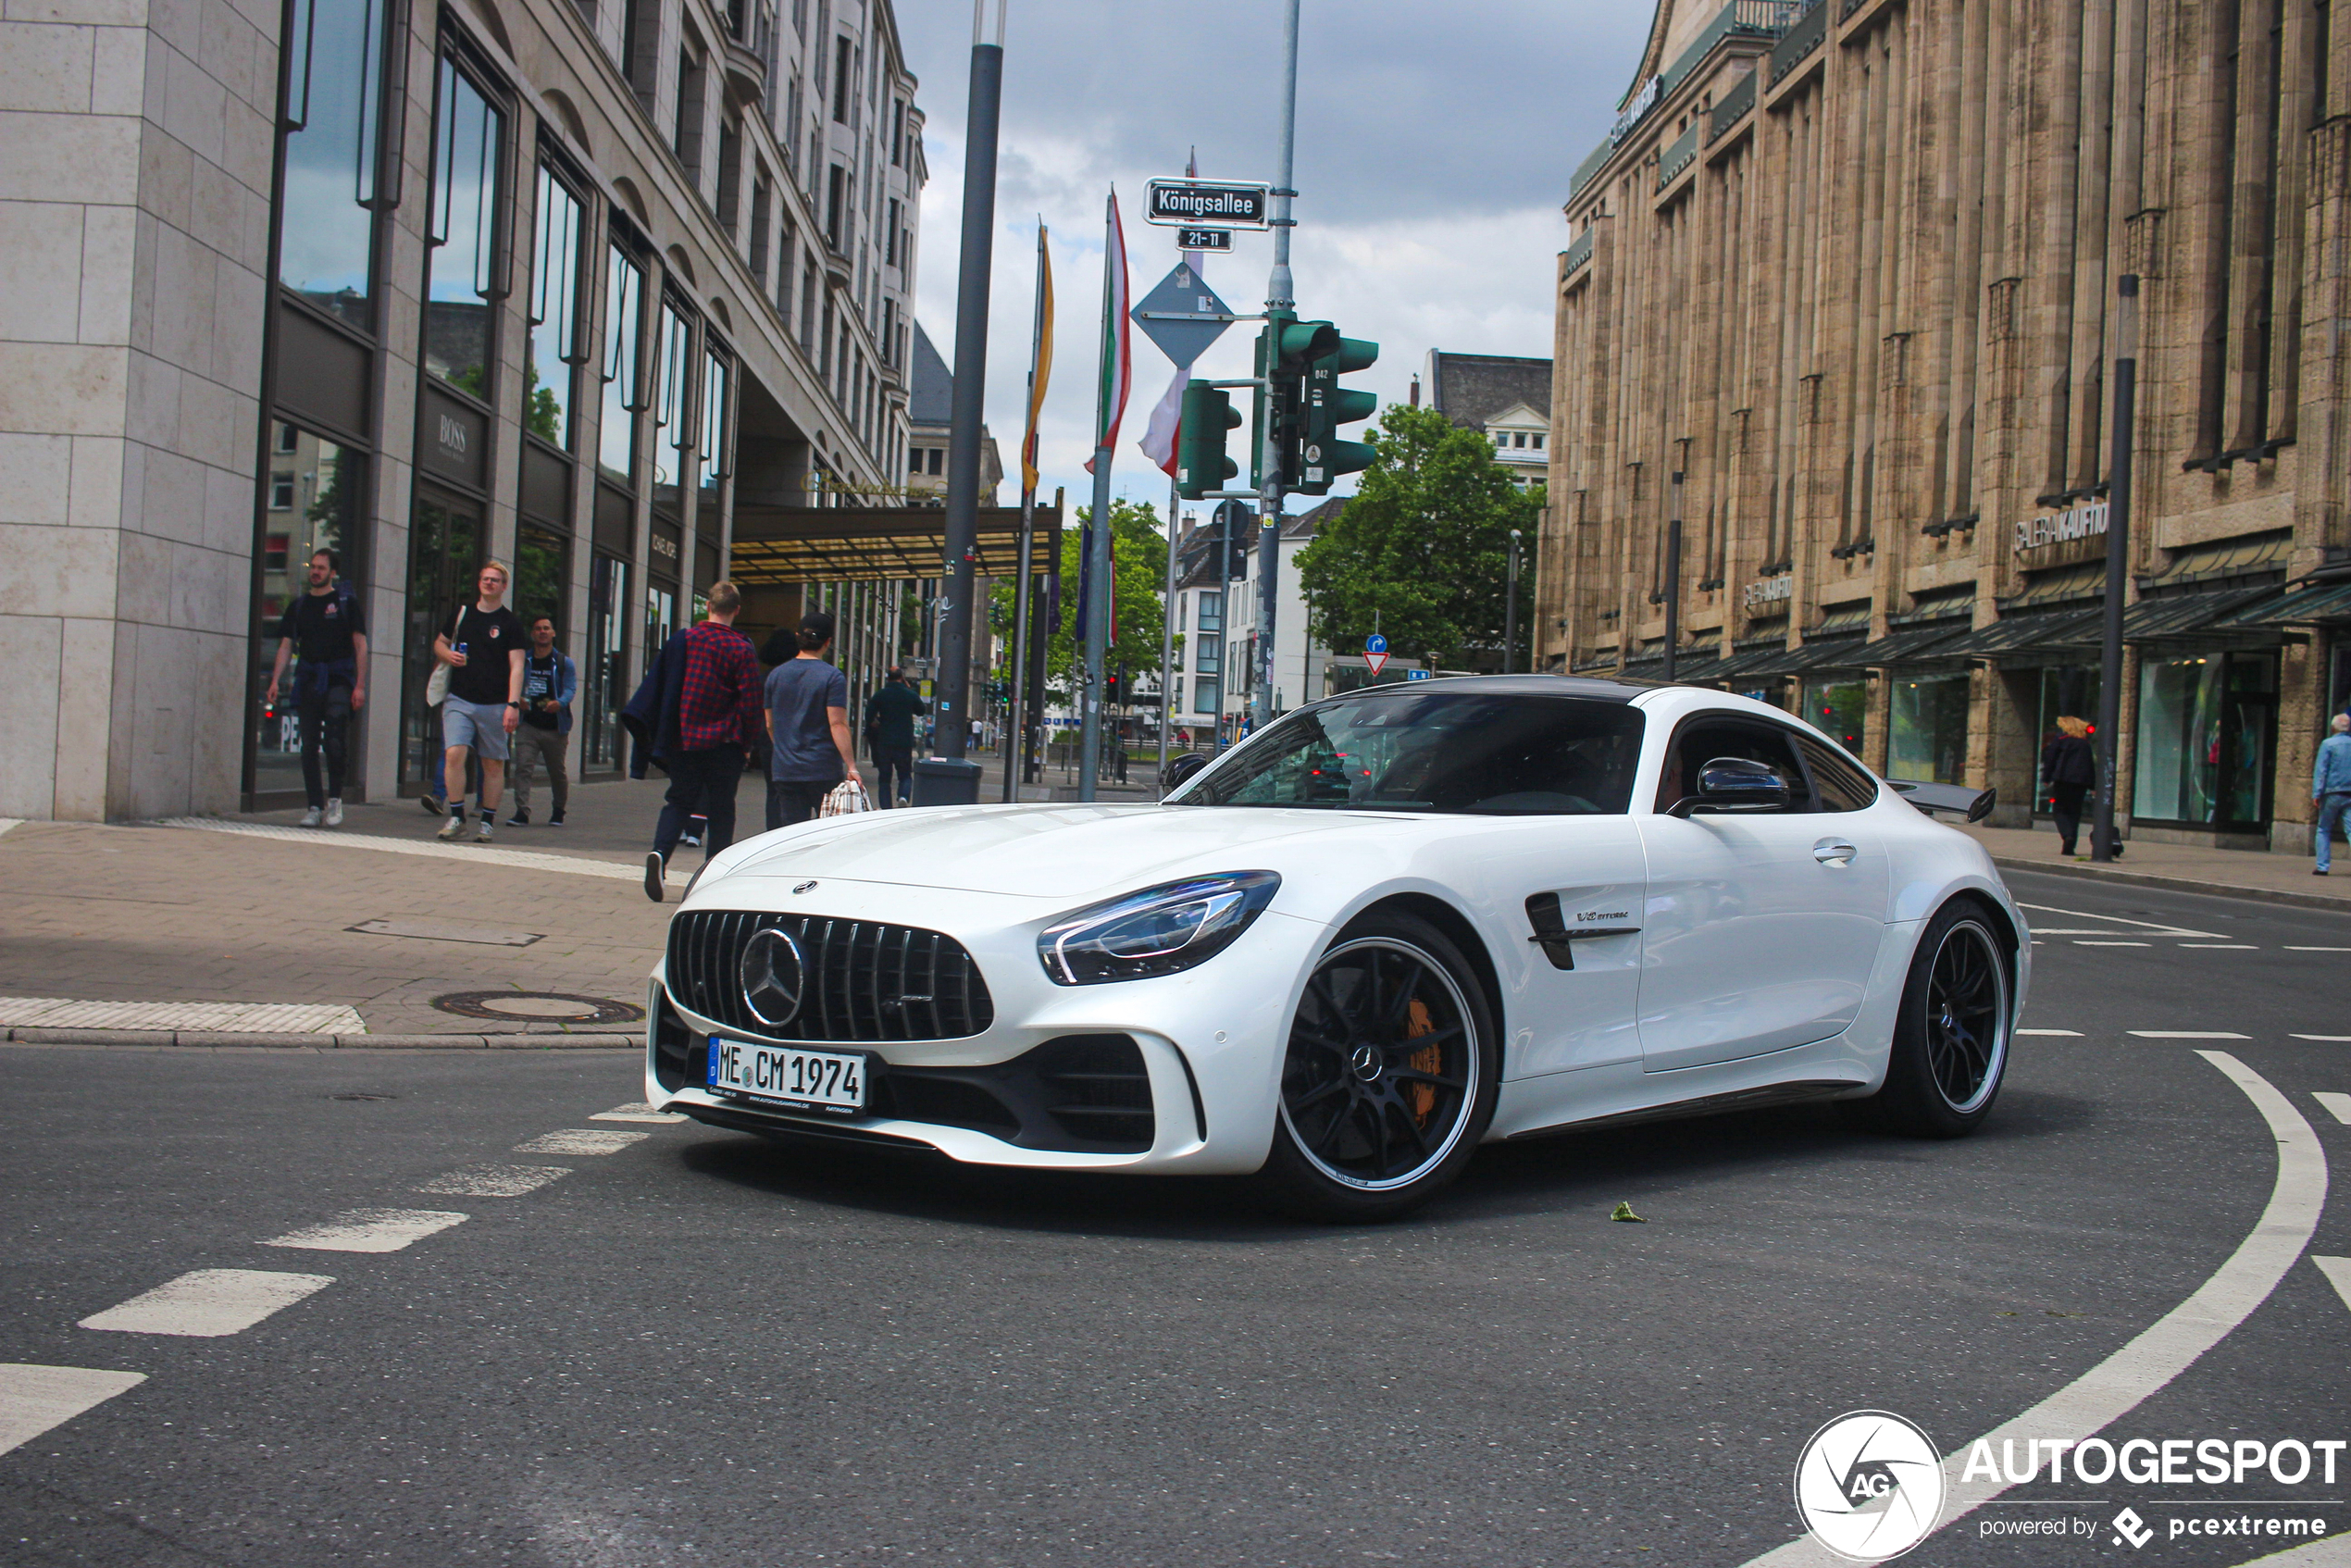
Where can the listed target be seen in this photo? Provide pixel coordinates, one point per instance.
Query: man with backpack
(330, 683)
(549, 682)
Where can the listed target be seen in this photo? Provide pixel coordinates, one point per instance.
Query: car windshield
(1477, 753)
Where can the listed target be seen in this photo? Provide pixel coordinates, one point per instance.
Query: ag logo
(1869, 1485)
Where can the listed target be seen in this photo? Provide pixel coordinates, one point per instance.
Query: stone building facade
(558, 282)
(1851, 270)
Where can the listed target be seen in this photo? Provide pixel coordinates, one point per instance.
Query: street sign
(1187, 203)
(1375, 643)
(1183, 316)
(1203, 239)
(1416, 675)
(1377, 660)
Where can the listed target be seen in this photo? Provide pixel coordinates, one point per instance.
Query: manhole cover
(544, 1007)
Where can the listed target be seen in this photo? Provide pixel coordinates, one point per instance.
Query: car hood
(1052, 852)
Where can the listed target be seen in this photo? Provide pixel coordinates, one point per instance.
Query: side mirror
(1180, 769)
(1729, 784)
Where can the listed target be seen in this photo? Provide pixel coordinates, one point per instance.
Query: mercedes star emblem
(771, 974)
(804, 887)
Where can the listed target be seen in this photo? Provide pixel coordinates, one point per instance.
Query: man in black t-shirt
(330, 683)
(482, 644)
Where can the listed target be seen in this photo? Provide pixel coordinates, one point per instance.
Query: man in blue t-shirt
(808, 723)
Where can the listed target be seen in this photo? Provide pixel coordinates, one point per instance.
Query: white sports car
(1390, 927)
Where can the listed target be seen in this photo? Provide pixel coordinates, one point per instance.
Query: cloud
(1433, 153)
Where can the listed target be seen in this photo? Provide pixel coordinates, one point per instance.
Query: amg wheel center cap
(1366, 1063)
(772, 976)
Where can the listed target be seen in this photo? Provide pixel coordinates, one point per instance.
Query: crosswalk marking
(33, 1399)
(494, 1181)
(2338, 1105)
(209, 1302)
(2338, 1273)
(369, 1230)
(582, 1141)
(636, 1111)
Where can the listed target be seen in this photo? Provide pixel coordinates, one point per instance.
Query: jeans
(2065, 805)
(2333, 807)
(701, 784)
(890, 760)
(531, 746)
(325, 720)
(794, 800)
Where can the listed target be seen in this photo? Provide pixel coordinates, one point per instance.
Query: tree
(1422, 552)
(1138, 541)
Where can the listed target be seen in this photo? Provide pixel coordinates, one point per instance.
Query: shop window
(333, 116)
(541, 557)
(1926, 739)
(2206, 732)
(623, 378)
(661, 618)
(1837, 709)
(2068, 693)
(604, 674)
(322, 493)
(556, 342)
(462, 272)
(444, 543)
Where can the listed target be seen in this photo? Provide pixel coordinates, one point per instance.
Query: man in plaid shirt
(719, 712)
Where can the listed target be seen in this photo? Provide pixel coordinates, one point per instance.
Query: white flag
(1166, 424)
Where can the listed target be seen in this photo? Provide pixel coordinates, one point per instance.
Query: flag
(1166, 426)
(1117, 359)
(1041, 370)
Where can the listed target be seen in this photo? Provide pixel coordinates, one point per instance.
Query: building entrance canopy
(787, 544)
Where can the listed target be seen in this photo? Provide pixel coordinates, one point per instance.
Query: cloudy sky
(1434, 147)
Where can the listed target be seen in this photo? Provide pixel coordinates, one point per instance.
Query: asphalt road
(701, 1349)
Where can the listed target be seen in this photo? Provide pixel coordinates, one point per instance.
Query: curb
(2330, 902)
(218, 1039)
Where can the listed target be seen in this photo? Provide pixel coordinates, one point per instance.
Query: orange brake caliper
(1429, 1059)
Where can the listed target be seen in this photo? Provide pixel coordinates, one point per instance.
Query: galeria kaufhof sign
(2086, 521)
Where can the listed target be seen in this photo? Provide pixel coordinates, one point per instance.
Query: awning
(1820, 654)
(780, 544)
(1842, 618)
(2225, 558)
(2315, 604)
(2179, 614)
(2036, 631)
(2059, 585)
(1910, 643)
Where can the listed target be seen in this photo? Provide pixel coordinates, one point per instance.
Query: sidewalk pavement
(2275, 879)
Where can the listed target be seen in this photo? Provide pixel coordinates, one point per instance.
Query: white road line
(209, 1302)
(525, 860)
(494, 1181)
(2292, 949)
(2333, 1552)
(33, 1399)
(584, 1140)
(2071, 931)
(636, 1111)
(2338, 1105)
(369, 1230)
(2335, 1040)
(2113, 944)
(2067, 1034)
(240, 1017)
(2171, 1345)
(2338, 1273)
(2184, 1034)
(2224, 947)
(2156, 925)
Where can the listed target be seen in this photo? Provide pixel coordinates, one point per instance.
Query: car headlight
(1157, 931)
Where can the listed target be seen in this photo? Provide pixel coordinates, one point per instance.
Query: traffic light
(1321, 456)
(1200, 463)
(1286, 349)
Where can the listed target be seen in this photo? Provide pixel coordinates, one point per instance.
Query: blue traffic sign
(1375, 643)
(1416, 675)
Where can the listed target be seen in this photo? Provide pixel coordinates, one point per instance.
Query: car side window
(1701, 740)
(1837, 784)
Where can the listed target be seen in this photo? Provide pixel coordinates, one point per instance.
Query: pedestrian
(483, 645)
(808, 727)
(717, 715)
(330, 683)
(549, 682)
(2070, 769)
(889, 737)
(2331, 787)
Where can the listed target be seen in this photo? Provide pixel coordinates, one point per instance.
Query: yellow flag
(1040, 368)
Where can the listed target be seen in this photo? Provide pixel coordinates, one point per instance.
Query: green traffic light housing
(1200, 463)
(1321, 456)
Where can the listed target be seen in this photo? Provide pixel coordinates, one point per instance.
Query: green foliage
(1423, 549)
(1139, 542)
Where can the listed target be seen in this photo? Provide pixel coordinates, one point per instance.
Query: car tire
(1389, 1077)
(1952, 1036)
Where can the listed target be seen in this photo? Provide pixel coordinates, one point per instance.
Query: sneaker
(556, 820)
(2320, 871)
(434, 806)
(481, 833)
(310, 817)
(520, 819)
(334, 813)
(652, 875)
(454, 826)
(693, 841)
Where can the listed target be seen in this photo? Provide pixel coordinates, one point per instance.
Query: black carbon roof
(1592, 688)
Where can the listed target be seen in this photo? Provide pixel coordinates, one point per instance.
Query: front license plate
(830, 1078)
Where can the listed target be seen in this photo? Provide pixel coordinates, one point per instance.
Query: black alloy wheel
(1390, 1078)
(1951, 1049)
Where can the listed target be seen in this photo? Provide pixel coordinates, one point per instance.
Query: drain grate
(543, 1007)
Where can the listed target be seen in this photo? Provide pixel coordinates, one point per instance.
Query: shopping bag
(845, 799)
(437, 685)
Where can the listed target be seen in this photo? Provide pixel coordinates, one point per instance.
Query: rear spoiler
(1955, 800)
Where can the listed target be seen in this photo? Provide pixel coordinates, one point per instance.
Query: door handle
(1833, 852)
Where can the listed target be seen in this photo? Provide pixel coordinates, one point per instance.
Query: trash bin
(945, 781)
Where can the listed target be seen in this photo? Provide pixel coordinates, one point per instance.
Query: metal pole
(1510, 611)
(951, 733)
(2103, 845)
(1015, 732)
(1168, 628)
(1279, 297)
(1674, 577)
(1096, 607)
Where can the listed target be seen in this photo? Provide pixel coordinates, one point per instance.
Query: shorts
(481, 725)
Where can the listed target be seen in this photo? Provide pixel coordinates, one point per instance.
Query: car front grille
(862, 982)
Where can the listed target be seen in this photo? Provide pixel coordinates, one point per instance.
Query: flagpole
(1096, 611)
(1167, 634)
(1016, 736)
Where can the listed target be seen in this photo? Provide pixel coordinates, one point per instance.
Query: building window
(716, 437)
(2207, 729)
(914, 464)
(891, 239)
(898, 133)
(623, 378)
(937, 452)
(673, 394)
(1212, 614)
(844, 80)
(333, 114)
(556, 344)
(688, 137)
(641, 49)
(280, 495)
(759, 213)
(836, 202)
(1204, 692)
(1538, 442)
(730, 174)
(462, 266)
(289, 439)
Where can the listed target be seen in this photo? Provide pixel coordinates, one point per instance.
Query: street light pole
(953, 780)
(2103, 846)
(1509, 612)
